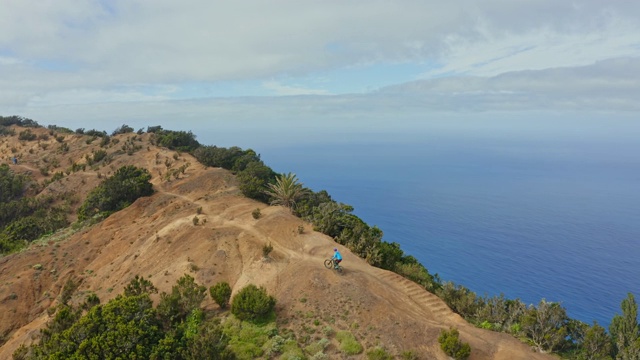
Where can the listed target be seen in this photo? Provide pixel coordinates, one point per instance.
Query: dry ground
(156, 238)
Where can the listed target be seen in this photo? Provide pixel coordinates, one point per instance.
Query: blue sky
(83, 61)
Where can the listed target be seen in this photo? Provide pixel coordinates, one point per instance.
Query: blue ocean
(544, 212)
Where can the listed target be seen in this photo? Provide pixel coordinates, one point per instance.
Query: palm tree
(286, 191)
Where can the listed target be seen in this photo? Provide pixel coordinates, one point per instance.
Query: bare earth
(156, 238)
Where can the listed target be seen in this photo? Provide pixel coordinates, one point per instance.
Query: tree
(625, 331)
(124, 129)
(11, 185)
(221, 293)
(361, 239)
(177, 140)
(459, 298)
(252, 303)
(594, 343)
(286, 191)
(330, 218)
(546, 325)
(117, 192)
(254, 179)
(185, 296)
(310, 200)
(126, 327)
(138, 286)
(209, 343)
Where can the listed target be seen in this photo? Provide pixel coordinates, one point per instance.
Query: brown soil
(156, 238)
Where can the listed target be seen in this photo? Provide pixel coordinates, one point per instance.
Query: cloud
(611, 85)
(72, 52)
(280, 89)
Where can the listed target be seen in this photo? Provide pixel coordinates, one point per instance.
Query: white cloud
(611, 85)
(288, 90)
(56, 50)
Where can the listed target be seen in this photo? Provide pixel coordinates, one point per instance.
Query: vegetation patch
(252, 304)
(451, 344)
(117, 192)
(348, 343)
(221, 293)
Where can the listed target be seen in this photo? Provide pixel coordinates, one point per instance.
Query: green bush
(27, 135)
(176, 140)
(117, 192)
(378, 353)
(252, 303)
(124, 129)
(185, 297)
(138, 286)
(97, 156)
(221, 293)
(253, 180)
(266, 250)
(11, 185)
(348, 343)
(451, 344)
(249, 341)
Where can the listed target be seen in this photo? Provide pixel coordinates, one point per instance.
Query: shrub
(11, 185)
(317, 347)
(266, 250)
(408, 355)
(67, 291)
(378, 353)
(348, 343)
(138, 286)
(185, 296)
(252, 303)
(196, 220)
(256, 213)
(451, 344)
(176, 140)
(98, 156)
(124, 129)
(221, 293)
(27, 135)
(117, 192)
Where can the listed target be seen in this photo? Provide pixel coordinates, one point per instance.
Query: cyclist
(337, 258)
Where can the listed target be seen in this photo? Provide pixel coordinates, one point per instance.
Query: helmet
(335, 249)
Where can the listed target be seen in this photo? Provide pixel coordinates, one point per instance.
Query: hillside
(156, 237)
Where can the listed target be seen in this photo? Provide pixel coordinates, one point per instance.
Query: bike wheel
(339, 269)
(328, 263)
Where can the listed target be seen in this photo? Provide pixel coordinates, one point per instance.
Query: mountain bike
(330, 264)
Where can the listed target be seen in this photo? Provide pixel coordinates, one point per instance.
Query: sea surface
(551, 212)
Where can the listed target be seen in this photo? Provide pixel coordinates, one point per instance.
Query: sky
(246, 65)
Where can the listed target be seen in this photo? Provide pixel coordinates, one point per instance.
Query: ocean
(550, 211)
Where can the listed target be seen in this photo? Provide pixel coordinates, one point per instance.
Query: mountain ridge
(157, 237)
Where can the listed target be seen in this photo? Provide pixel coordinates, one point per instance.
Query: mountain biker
(337, 258)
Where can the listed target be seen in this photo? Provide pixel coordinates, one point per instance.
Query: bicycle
(330, 264)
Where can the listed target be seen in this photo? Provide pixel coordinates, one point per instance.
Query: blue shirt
(337, 255)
